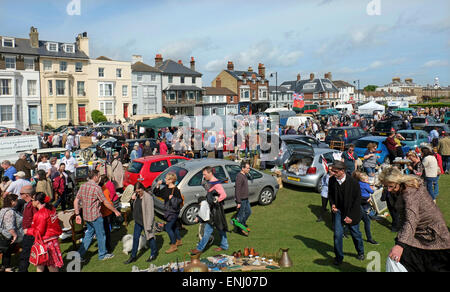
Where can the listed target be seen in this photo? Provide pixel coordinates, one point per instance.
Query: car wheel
(266, 196)
(189, 214)
(319, 186)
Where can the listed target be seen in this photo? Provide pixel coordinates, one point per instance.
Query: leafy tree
(370, 88)
(98, 117)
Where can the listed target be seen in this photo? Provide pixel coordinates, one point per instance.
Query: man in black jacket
(344, 194)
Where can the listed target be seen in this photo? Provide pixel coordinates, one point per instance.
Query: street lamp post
(358, 89)
(276, 87)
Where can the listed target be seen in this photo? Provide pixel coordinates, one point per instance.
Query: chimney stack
(311, 76)
(262, 70)
(230, 66)
(250, 69)
(192, 64)
(330, 76)
(218, 82)
(299, 77)
(137, 58)
(82, 42)
(180, 62)
(34, 37)
(158, 60)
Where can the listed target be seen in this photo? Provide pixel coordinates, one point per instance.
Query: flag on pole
(298, 100)
(324, 164)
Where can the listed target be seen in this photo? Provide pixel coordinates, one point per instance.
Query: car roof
(158, 157)
(373, 138)
(201, 163)
(320, 151)
(436, 125)
(344, 128)
(411, 131)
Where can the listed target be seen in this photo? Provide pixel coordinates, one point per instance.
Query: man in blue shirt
(9, 170)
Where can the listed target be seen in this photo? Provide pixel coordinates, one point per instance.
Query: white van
(344, 108)
(295, 122)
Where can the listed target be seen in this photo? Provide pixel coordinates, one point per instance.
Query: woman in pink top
(163, 147)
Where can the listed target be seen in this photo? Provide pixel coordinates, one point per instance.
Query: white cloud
(435, 63)
(185, 48)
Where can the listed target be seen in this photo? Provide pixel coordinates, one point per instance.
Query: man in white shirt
(18, 184)
(70, 163)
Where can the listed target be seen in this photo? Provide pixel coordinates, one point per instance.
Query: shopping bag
(39, 252)
(393, 266)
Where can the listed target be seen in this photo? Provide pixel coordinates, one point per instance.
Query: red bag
(39, 252)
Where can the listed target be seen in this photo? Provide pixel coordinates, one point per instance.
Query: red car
(146, 169)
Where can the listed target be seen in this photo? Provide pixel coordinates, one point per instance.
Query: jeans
(338, 223)
(96, 227)
(366, 219)
(432, 186)
(446, 162)
(62, 199)
(369, 170)
(173, 231)
(137, 234)
(27, 243)
(207, 234)
(107, 226)
(244, 212)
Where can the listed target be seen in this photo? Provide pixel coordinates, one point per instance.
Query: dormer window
(52, 47)
(8, 42)
(69, 48)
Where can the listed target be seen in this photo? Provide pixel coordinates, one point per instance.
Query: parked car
(413, 138)
(361, 147)
(442, 128)
(262, 187)
(418, 123)
(384, 128)
(304, 166)
(346, 134)
(146, 169)
(315, 143)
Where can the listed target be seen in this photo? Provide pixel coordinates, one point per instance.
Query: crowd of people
(35, 187)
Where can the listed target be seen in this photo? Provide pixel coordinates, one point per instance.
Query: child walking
(366, 192)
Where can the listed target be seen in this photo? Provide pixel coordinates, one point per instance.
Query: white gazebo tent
(370, 107)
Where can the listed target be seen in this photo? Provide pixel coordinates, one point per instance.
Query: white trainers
(107, 257)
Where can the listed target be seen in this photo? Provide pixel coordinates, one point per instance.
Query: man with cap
(18, 184)
(344, 194)
(26, 194)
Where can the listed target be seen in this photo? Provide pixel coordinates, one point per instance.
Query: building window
(193, 80)
(101, 72)
(106, 89)
(170, 79)
(8, 42)
(63, 66)
(153, 76)
(10, 62)
(79, 67)
(191, 95)
(18, 113)
(106, 107)
(148, 91)
(134, 91)
(47, 65)
(69, 48)
(182, 79)
(52, 47)
(124, 90)
(51, 113)
(60, 87)
(80, 88)
(29, 64)
(6, 113)
(31, 86)
(50, 87)
(61, 111)
(119, 73)
(5, 87)
(139, 77)
(172, 96)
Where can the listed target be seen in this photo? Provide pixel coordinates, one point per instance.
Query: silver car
(263, 188)
(304, 166)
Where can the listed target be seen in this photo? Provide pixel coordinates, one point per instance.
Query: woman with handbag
(46, 231)
(10, 230)
(172, 205)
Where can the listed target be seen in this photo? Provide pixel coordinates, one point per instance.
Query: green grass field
(289, 222)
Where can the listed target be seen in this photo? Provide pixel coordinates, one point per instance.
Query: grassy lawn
(289, 222)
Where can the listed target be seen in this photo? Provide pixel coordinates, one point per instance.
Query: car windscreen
(135, 167)
(179, 172)
(336, 133)
(418, 120)
(383, 126)
(409, 136)
(364, 143)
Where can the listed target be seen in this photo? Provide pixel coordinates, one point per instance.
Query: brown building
(219, 100)
(251, 88)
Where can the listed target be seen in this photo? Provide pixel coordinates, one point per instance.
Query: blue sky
(409, 39)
